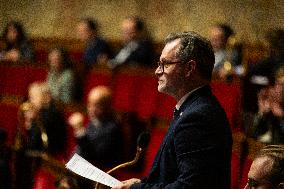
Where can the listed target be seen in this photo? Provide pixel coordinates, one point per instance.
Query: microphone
(142, 142)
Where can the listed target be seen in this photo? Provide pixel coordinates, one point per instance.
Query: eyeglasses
(253, 184)
(163, 65)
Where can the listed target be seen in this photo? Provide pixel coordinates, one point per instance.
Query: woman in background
(17, 47)
(60, 76)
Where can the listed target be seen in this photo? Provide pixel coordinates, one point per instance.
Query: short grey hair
(276, 154)
(195, 47)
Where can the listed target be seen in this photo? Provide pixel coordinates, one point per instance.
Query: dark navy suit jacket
(196, 151)
(96, 47)
(101, 145)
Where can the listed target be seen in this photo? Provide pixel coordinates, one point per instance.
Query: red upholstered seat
(244, 175)
(8, 120)
(76, 56)
(44, 180)
(37, 74)
(41, 56)
(157, 136)
(15, 79)
(235, 170)
(147, 98)
(125, 91)
(229, 96)
(95, 78)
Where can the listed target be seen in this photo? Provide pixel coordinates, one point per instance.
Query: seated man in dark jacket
(101, 141)
(96, 48)
(137, 49)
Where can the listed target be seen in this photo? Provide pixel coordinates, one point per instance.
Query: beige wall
(48, 18)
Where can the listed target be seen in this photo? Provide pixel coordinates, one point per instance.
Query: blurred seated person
(269, 122)
(44, 134)
(60, 76)
(96, 49)
(5, 155)
(227, 58)
(17, 46)
(266, 170)
(43, 121)
(101, 141)
(265, 69)
(137, 49)
(262, 73)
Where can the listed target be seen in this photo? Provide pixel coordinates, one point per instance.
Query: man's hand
(76, 120)
(127, 183)
(13, 55)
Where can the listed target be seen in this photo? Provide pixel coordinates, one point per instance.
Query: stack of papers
(82, 167)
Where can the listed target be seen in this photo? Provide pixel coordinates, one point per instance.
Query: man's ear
(281, 185)
(191, 67)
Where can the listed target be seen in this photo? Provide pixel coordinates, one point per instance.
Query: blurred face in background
(96, 106)
(99, 103)
(12, 34)
(36, 98)
(39, 95)
(129, 32)
(217, 38)
(84, 32)
(55, 60)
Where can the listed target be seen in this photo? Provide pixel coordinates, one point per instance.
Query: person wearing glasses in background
(196, 151)
(267, 169)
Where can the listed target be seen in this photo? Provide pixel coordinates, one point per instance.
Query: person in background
(267, 169)
(97, 51)
(196, 151)
(42, 133)
(137, 49)
(17, 45)
(267, 67)
(60, 76)
(226, 57)
(101, 141)
(263, 72)
(268, 125)
(44, 122)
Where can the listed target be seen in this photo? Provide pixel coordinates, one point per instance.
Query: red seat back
(9, 120)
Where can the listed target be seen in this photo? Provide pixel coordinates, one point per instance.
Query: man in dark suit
(99, 142)
(137, 49)
(196, 151)
(97, 49)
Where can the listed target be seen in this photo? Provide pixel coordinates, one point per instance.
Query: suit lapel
(191, 98)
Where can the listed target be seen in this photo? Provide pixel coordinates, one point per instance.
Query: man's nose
(158, 71)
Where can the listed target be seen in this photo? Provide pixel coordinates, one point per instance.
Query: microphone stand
(126, 164)
(138, 153)
(142, 142)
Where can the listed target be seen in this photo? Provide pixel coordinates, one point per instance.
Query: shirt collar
(181, 101)
(97, 123)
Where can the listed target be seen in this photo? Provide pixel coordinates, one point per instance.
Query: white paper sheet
(80, 166)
